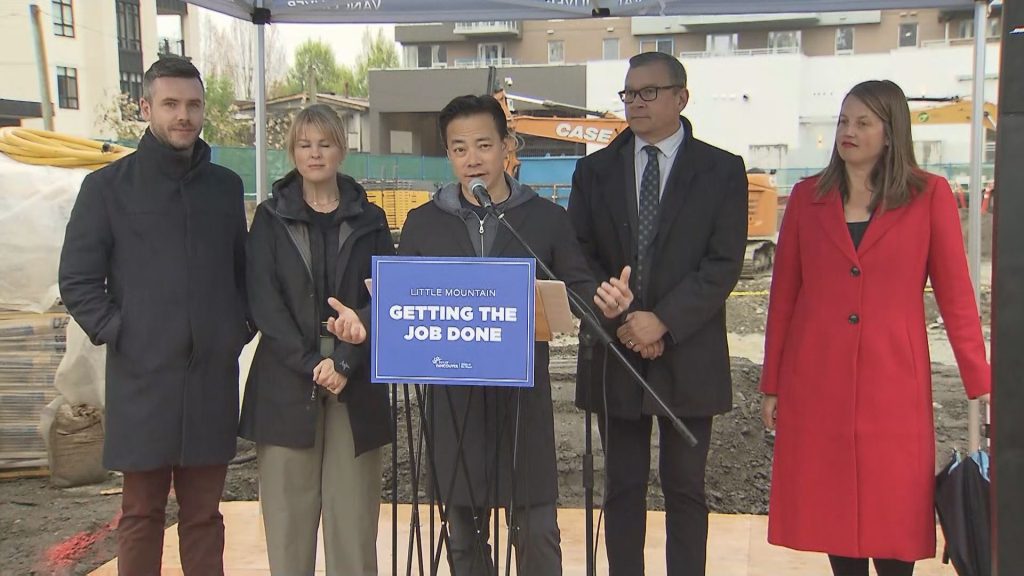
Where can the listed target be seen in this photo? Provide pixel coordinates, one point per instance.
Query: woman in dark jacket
(317, 421)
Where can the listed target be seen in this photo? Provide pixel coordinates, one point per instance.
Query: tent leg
(974, 206)
(261, 109)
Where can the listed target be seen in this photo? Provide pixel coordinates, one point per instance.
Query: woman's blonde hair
(324, 119)
(896, 177)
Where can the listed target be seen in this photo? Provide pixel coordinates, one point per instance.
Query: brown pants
(140, 534)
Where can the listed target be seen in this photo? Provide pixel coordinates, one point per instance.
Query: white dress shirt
(667, 150)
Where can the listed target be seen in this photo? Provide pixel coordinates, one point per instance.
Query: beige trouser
(297, 485)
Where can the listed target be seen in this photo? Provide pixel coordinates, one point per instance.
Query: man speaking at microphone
(457, 224)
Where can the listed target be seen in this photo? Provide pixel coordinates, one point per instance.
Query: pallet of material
(31, 348)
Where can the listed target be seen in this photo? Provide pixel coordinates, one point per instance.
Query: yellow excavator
(954, 110)
(957, 110)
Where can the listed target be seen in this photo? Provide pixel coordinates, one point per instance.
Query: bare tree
(216, 51)
(230, 51)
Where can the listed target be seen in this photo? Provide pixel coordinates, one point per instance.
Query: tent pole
(974, 206)
(260, 18)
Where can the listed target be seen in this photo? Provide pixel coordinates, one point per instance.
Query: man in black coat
(153, 266)
(675, 208)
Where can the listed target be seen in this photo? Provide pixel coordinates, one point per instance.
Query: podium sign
(454, 321)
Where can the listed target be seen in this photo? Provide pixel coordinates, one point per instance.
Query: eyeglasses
(646, 94)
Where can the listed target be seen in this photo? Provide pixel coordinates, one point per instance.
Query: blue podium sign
(454, 321)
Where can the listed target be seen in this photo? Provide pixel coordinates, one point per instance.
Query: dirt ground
(45, 530)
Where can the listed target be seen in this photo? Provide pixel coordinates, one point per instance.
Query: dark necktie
(650, 184)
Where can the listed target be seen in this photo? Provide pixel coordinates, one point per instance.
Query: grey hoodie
(481, 230)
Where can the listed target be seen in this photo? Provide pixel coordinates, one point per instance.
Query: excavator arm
(955, 112)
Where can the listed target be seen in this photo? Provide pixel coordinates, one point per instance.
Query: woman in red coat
(847, 376)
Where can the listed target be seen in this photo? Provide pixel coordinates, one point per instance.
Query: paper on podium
(551, 303)
(552, 309)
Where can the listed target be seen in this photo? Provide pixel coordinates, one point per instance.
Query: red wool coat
(846, 352)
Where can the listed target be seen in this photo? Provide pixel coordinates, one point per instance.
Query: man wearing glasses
(675, 209)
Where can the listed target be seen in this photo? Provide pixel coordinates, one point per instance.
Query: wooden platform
(737, 547)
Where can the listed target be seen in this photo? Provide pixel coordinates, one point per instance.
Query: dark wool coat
(153, 266)
(694, 264)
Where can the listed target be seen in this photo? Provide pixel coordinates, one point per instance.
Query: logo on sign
(443, 364)
(585, 133)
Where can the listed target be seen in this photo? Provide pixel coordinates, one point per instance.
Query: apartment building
(95, 50)
(766, 86)
(507, 43)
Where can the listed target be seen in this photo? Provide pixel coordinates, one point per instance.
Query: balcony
(483, 62)
(491, 28)
(755, 52)
(947, 42)
(665, 25)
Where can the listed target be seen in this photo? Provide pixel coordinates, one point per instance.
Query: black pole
(415, 467)
(513, 527)
(1008, 303)
(394, 478)
(586, 354)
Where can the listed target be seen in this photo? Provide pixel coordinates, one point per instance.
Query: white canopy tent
(262, 12)
(399, 11)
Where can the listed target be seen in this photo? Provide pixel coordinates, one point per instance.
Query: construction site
(52, 529)
(60, 508)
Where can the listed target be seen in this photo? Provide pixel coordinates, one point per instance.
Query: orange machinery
(955, 110)
(602, 127)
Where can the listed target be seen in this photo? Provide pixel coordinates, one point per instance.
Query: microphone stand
(590, 320)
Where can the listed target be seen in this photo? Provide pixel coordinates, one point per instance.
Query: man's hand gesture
(614, 295)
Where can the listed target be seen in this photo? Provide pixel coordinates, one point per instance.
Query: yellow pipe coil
(45, 148)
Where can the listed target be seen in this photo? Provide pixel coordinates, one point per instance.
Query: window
(610, 49)
(663, 45)
(844, 40)
(995, 27)
(67, 87)
(768, 156)
(787, 42)
(131, 84)
(423, 56)
(426, 56)
(438, 56)
(129, 27)
(721, 44)
(63, 18)
(491, 53)
(928, 152)
(556, 52)
(965, 28)
(908, 35)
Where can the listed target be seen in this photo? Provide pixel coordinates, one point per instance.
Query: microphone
(479, 190)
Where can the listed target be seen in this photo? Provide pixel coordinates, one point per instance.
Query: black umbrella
(962, 501)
